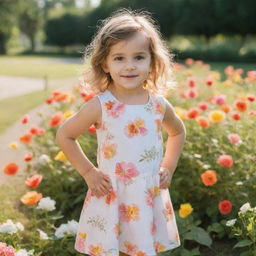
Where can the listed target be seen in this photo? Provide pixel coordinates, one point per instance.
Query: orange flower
(87, 96)
(193, 113)
(11, 169)
(203, 121)
(217, 116)
(28, 157)
(56, 119)
(33, 130)
(236, 116)
(31, 198)
(241, 105)
(209, 177)
(203, 105)
(251, 97)
(34, 181)
(25, 138)
(225, 108)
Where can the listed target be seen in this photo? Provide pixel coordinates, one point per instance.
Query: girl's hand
(98, 182)
(165, 178)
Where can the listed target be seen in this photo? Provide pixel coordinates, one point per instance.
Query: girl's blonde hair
(120, 26)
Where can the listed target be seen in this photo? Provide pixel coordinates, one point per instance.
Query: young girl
(127, 209)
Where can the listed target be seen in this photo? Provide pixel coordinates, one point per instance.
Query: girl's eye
(139, 57)
(118, 58)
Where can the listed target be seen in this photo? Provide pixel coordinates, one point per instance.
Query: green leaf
(56, 217)
(193, 252)
(199, 235)
(243, 243)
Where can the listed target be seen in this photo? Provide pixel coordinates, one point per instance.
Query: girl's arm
(175, 128)
(72, 128)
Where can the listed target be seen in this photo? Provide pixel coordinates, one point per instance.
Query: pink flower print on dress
(159, 247)
(111, 197)
(135, 128)
(80, 241)
(158, 107)
(129, 212)
(109, 150)
(151, 194)
(168, 211)
(117, 230)
(114, 109)
(153, 227)
(130, 248)
(126, 171)
(95, 250)
(141, 253)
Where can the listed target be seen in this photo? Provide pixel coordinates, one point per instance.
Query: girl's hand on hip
(98, 182)
(165, 178)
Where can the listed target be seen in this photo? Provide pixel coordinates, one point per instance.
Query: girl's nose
(130, 66)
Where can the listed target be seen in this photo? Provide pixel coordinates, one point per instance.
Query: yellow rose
(185, 210)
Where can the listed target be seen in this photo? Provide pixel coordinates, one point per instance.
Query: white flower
(206, 166)
(61, 230)
(244, 208)
(44, 159)
(70, 229)
(239, 183)
(230, 223)
(19, 226)
(42, 234)
(197, 155)
(46, 203)
(23, 252)
(8, 227)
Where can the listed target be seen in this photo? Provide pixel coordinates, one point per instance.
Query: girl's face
(128, 62)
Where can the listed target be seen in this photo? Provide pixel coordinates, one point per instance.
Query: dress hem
(172, 246)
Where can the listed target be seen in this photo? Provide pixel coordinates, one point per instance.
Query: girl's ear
(105, 67)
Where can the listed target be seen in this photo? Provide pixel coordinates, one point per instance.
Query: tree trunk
(3, 48)
(32, 43)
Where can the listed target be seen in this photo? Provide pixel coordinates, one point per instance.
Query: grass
(38, 67)
(11, 109)
(9, 198)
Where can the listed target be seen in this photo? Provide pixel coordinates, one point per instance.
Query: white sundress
(136, 217)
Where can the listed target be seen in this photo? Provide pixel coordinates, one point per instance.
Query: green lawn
(11, 109)
(38, 67)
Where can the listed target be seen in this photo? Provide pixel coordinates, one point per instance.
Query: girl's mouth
(129, 76)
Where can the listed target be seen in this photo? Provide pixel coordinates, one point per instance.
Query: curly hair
(121, 25)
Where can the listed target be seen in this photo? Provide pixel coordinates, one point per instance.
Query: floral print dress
(136, 217)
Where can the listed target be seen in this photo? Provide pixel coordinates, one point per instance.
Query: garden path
(13, 132)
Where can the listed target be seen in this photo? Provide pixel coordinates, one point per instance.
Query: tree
(8, 19)
(30, 20)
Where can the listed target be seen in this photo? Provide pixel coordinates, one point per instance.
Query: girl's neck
(132, 96)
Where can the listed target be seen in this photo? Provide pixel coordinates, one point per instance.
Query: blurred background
(210, 30)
